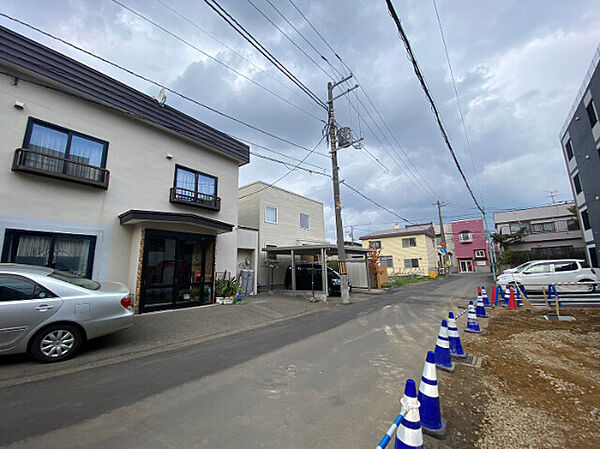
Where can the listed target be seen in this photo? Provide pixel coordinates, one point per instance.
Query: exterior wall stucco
(140, 178)
(287, 230)
(425, 251)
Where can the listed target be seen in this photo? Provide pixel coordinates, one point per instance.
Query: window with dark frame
(62, 151)
(569, 149)
(375, 244)
(73, 253)
(591, 113)
(411, 263)
(577, 183)
(195, 187)
(585, 219)
(409, 242)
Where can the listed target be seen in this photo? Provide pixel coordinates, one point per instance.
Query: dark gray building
(580, 138)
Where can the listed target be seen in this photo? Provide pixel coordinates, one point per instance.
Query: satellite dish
(162, 97)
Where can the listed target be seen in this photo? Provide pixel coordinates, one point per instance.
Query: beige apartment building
(104, 181)
(282, 218)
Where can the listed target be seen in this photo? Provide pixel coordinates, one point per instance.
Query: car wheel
(591, 288)
(56, 343)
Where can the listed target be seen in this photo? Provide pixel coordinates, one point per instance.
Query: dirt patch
(538, 386)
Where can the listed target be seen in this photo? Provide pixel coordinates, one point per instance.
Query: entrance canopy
(151, 216)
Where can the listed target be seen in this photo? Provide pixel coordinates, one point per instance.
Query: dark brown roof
(32, 56)
(136, 216)
(426, 229)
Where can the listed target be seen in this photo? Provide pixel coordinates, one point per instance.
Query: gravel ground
(538, 386)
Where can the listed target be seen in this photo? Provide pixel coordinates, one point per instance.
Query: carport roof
(315, 249)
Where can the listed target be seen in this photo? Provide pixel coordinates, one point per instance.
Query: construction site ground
(538, 385)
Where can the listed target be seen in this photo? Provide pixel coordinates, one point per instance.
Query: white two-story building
(282, 218)
(104, 181)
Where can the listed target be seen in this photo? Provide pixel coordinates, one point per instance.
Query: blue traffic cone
(442, 350)
(480, 309)
(484, 296)
(499, 295)
(429, 399)
(409, 434)
(456, 348)
(472, 323)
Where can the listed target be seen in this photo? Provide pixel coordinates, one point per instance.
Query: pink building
(470, 246)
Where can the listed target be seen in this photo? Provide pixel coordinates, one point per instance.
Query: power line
(231, 49)
(421, 79)
(287, 37)
(460, 111)
(156, 83)
(343, 63)
(214, 5)
(227, 66)
(290, 171)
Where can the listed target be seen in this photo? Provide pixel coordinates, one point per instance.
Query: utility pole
(491, 249)
(442, 235)
(344, 291)
(352, 233)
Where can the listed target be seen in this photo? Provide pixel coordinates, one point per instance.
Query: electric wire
(233, 50)
(458, 103)
(421, 79)
(223, 64)
(289, 172)
(157, 84)
(423, 179)
(233, 23)
(289, 38)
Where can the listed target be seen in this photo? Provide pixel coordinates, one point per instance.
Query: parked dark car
(307, 273)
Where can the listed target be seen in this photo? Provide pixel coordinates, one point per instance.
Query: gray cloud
(518, 67)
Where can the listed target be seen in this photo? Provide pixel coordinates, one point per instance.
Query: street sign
(443, 250)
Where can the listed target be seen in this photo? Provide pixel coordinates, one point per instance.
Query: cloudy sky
(518, 66)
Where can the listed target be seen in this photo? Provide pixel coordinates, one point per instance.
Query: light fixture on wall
(169, 156)
(19, 105)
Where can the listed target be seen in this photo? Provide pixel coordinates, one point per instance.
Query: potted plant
(186, 294)
(226, 290)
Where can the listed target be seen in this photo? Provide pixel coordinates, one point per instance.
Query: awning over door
(150, 216)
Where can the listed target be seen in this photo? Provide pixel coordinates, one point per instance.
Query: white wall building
(283, 218)
(104, 181)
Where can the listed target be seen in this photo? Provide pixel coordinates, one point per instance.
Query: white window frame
(276, 214)
(307, 221)
(465, 236)
(480, 253)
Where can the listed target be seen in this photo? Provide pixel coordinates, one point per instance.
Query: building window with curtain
(270, 214)
(66, 252)
(59, 152)
(195, 188)
(304, 221)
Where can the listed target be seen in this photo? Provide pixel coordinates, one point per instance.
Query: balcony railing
(31, 161)
(193, 198)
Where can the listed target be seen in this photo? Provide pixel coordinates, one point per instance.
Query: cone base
(450, 368)
(436, 433)
(482, 316)
(462, 355)
(474, 331)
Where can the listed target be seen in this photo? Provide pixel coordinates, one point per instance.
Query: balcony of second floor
(53, 166)
(195, 198)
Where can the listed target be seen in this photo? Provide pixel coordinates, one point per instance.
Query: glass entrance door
(177, 270)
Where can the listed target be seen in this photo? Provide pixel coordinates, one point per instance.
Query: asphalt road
(330, 379)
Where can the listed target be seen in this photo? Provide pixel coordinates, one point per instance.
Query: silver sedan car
(50, 313)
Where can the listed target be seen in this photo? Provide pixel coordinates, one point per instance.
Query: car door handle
(44, 308)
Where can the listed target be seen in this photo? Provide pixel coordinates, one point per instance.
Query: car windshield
(522, 267)
(75, 280)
